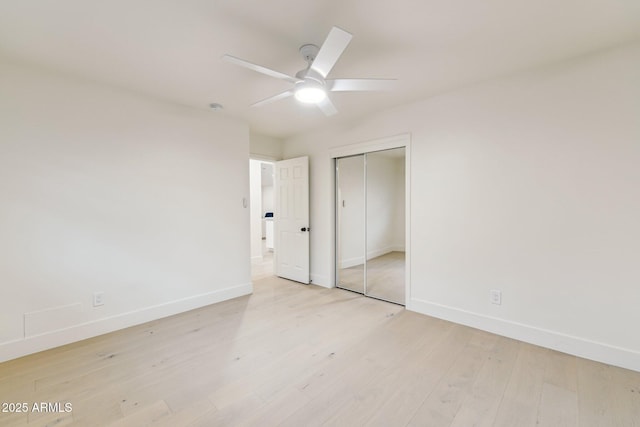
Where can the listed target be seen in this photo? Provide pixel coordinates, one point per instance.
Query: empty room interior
(301, 213)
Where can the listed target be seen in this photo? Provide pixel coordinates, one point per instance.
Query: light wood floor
(296, 355)
(385, 277)
(264, 267)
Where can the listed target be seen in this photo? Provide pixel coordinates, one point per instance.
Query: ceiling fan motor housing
(309, 52)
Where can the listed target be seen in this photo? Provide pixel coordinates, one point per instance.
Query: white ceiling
(171, 49)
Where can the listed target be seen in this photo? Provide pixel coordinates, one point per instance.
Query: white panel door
(291, 219)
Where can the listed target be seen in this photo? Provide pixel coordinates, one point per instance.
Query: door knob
(305, 229)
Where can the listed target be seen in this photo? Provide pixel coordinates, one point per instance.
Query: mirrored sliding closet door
(350, 223)
(370, 224)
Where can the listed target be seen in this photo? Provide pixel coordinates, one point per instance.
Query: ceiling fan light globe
(310, 94)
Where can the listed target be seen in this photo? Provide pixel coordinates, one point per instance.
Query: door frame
(380, 144)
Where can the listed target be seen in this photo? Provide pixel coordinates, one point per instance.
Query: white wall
(103, 190)
(527, 184)
(265, 147)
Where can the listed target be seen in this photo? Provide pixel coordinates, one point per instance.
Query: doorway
(261, 183)
(370, 223)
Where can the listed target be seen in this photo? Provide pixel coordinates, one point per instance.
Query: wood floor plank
(521, 398)
(627, 395)
(607, 396)
(97, 410)
(558, 407)
(11, 419)
(53, 420)
(479, 408)
(368, 363)
(287, 359)
(562, 371)
(148, 415)
(230, 415)
(340, 354)
(383, 380)
(185, 415)
(443, 403)
(430, 364)
(274, 411)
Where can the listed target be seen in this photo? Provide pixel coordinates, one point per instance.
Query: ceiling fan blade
(327, 107)
(273, 98)
(259, 68)
(335, 43)
(358, 85)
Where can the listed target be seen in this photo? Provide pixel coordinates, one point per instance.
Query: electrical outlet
(98, 299)
(495, 296)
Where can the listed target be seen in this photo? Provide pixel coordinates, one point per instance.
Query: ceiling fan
(311, 84)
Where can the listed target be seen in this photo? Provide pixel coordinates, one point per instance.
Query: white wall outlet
(495, 296)
(98, 299)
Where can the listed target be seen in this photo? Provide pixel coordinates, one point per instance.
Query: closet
(370, 224)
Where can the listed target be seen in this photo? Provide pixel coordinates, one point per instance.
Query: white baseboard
(33, 344)
(588, 349)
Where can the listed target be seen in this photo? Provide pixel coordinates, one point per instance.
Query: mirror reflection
(350, 223)
(385, 215)
(370, 224)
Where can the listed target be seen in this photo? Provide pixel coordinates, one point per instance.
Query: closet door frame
(381, 144)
